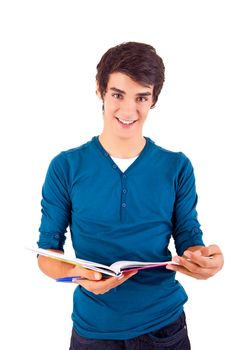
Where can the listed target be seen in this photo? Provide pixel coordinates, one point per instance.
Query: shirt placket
(124, 203)
(123, 200)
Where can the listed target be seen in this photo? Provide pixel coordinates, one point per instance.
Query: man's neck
(122, 148)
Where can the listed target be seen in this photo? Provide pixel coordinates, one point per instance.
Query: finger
(208, 260)
(203, 275)
(116, 281)
(94, 284)
(211, 250)
(195, 267)
(188, 264)
(99, 287)
(190, 268)
(86, 273)
(125, 276)
(103, 286)
(196, 258)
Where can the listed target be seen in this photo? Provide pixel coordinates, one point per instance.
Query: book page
(115, 269)
(120, 266)
(75, 261)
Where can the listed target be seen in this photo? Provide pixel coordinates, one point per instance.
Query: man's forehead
(121, 83)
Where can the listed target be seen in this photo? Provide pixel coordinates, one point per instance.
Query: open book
(116, 269)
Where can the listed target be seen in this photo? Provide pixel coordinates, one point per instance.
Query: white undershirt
(123, 163)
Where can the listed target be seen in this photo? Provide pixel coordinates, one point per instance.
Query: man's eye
(142, 99)
(117, 96)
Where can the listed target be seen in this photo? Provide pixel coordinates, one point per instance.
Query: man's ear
(98, 91)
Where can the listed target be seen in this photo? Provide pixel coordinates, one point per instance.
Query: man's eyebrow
(117, 90)
(147, 93)
(144, 93)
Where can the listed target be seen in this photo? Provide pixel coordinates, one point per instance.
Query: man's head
(139, 61)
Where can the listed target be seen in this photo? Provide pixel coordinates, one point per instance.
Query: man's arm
(199, 262)
(194, 258)
(56, 210)
(93, 280)
(56, 269)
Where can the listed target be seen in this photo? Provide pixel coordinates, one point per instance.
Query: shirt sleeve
(186, 232)
(56, 206)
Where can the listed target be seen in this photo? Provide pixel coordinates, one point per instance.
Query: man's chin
(125, 136)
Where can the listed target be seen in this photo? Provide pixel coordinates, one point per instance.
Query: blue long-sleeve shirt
(122, 216)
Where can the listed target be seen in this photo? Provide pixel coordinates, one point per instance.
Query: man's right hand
(95, 283)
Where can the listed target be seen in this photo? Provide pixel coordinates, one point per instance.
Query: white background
(49, 52)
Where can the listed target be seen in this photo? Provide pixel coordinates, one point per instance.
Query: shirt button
(56, 236)
(124, 190)
(114, 166)
(123, 205)
(196, 229)
(106, 154)
(124, 176)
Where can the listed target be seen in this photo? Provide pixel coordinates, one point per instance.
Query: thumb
(86, 273)
(210, 250)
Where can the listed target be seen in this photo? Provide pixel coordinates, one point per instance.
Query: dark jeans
(172, 337)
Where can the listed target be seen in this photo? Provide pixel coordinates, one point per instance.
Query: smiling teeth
(126, 121)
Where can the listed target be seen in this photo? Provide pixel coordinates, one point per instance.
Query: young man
(123, 198)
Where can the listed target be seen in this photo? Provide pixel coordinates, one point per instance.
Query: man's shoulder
(73, 155)
(168, 158)
(162, 151)
(78, 149)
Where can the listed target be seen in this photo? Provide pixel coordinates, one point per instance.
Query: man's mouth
(126, 122)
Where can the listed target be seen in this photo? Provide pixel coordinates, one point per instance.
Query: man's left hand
(199, 262)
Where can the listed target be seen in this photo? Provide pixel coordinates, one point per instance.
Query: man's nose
(128, 109)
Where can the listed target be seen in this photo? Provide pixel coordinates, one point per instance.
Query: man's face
(126, 105)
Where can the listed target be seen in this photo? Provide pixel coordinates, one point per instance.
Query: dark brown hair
(137, 60)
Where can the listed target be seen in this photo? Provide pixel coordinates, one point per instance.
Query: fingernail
(97, 276)
(198, 252)
(75, 280)
(120, 277)
(176, 259)
(187, 254)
